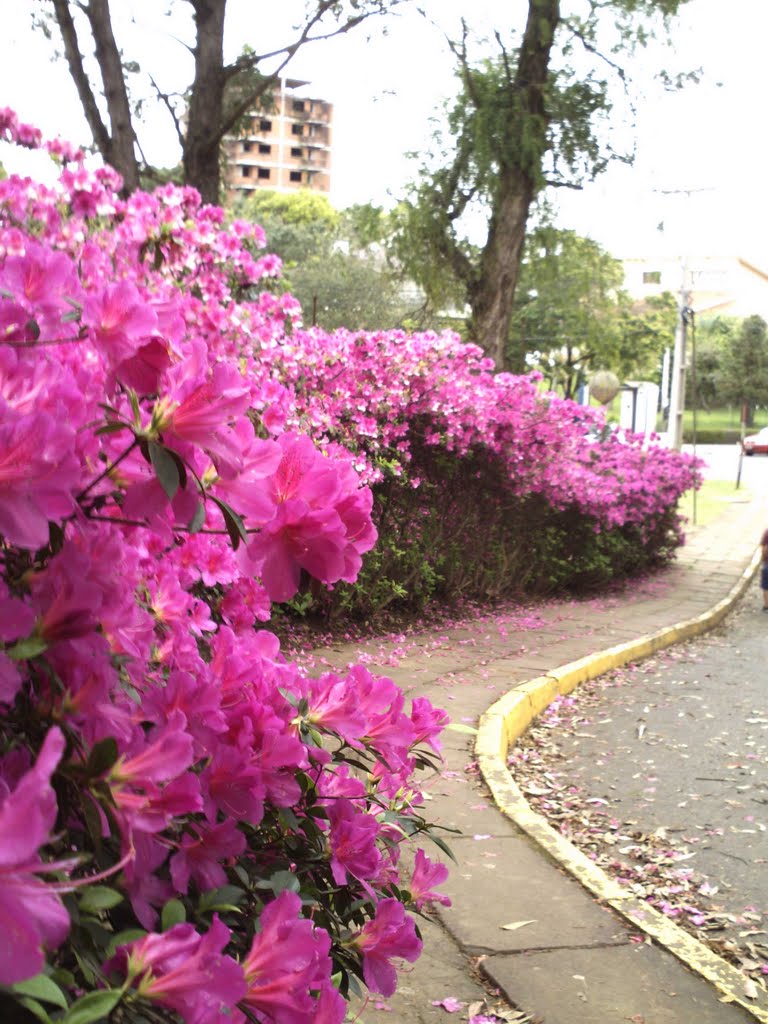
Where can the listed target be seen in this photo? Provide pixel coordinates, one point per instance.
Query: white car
(757, 444)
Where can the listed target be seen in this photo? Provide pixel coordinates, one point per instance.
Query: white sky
(710, 137)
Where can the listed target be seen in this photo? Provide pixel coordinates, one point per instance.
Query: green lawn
(712, 499)
(728, 418)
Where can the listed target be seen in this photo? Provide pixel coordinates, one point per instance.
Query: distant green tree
(331, 260)
(713, 336)
(299, 225)
(572, 317)
(646, 328)
(528, 117)
(567, 311)
(744, 368)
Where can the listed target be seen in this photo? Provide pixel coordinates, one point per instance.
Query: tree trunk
(206, 105)
(116, 145)
(492, 294)
(122, 148)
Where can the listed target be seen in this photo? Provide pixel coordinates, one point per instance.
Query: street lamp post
(677, 389)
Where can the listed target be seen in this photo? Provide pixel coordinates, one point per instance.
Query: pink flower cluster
(381, 392)
(244, 820)
(177, 453)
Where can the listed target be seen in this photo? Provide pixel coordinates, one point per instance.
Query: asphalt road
(723, 464)
(663, 767)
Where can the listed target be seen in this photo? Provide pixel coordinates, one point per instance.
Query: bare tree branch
(165, 98)
(79, 76)
(590, 47)
(247, 62)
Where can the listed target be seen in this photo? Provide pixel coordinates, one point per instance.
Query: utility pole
(677, 387)
(677, 390)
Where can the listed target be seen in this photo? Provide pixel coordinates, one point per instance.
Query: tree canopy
(572, 316)
(526, 117)
(744, 365)
(332, 261)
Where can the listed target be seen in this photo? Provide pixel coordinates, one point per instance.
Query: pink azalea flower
(32, 917)
(332, 706)
(287, 960)
(428, 722)
(121, 320)
(201, 852)
(38, 477)
(201, 405)
(41, 280)
(321, 522)
(353, 843)
(185, 971)
(427, 874)
(389, 936)
(163, 756)
(16, 620)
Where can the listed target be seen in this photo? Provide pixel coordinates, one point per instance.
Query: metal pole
(677, 390)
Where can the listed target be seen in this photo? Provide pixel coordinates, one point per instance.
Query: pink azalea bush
(190, 827)
(208, 832)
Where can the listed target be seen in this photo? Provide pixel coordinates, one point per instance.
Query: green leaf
(95, 1006)
(64, 977)
(112, 428)
(283, 881)
(102, 757)
(92, 819)
(234, 524)
(29, 647)
(174, 912)
(124, 938)
(41, 987)
(34, 1008)
(166, 469)
(442, 845)
(197, 520)
(292, 699)
(228, 897)
(99, 897)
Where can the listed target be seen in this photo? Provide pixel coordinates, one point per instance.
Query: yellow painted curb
(509, 717)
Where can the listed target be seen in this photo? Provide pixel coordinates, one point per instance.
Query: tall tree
(219, 95)
(571, 315)
(568, 299)
(525, 118)
(332, 262)
(744, 366)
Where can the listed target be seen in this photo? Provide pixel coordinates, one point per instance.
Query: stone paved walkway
(569, 959)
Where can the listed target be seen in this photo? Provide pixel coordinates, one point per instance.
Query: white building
(719, 285)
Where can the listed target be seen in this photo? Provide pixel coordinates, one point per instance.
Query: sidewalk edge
(509, 717)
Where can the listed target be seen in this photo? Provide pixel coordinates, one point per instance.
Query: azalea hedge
(484, 487)
(190, 826)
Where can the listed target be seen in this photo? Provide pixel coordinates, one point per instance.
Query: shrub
(189, 826)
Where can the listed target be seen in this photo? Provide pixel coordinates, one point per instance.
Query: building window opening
(246, 146)
(297, 129)
(245, 170)
(264, 147)
(264, 172)
(265, 125)
(295, 150)
(295, 175)
(298, 106)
